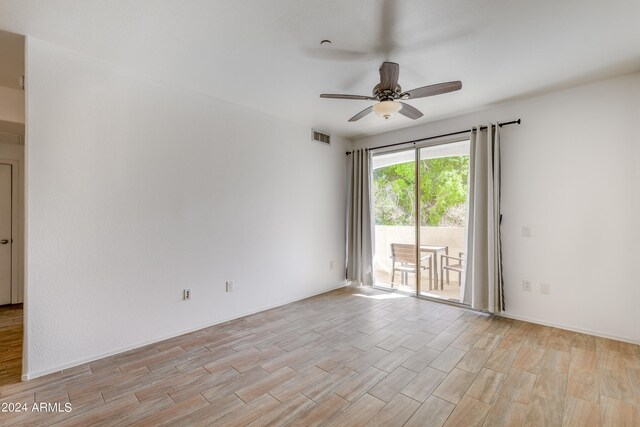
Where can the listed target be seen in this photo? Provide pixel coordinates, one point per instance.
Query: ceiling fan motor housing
(387, 94)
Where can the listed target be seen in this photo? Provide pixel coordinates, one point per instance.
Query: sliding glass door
(443, 176)
(421, 219)
(394, 206)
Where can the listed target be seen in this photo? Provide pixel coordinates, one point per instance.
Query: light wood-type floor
(10, 343)
(347, 358)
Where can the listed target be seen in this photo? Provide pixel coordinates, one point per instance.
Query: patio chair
(403, 259)
(446, 264)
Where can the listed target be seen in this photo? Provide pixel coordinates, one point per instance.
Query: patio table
(434, 250)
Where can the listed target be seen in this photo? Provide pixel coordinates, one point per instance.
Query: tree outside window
(443, 189)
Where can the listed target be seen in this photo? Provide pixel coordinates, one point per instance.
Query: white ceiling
(265, 54)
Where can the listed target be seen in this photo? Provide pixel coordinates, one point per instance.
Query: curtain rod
(414, 141)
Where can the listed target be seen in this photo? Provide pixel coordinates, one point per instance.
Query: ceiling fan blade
(389, 73)
(339, 96)
(409, 111)
(361, 114)
(431, 90)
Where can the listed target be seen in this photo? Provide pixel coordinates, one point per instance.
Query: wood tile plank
(506, 412)
(556, 360)
(448, 359)
(424, 384)
(392, 384)
(486, 386)
(454, 386)
(433, 413)
(259, 388)
(501, 360)
(396, 412)
(174, 412)
(543, 412)
(634, 379)
(469, 413)
(328, 385)
(529, 359)
(102, 413)
(421, 359)
(442, 340)
(616, 413)
(551, 385)
(580, 413)
(359, 413)
(488, 342)
(584, 360)
(466, 340)
(518, 386)
(417, 341)
(360, 384)
(474, 360)
(323, 411)
(583, 385)
(615, 384)
(394, 359)
(248, 412)
(210, 413)
(285, 412)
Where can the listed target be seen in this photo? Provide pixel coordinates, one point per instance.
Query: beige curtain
(483, 287)
(359, 223)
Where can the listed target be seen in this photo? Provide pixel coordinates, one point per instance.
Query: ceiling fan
(388, 93)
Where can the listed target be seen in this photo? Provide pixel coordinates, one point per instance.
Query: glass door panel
(394, 195)
(443, 180)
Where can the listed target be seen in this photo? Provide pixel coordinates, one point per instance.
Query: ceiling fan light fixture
(387, 109)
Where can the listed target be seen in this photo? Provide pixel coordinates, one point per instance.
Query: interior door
(5, 233)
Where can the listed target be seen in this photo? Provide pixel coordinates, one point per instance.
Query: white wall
(572, 167)
(136, 191)
(11, 105)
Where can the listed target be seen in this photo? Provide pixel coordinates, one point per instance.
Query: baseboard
(570, 328)
(32, 375)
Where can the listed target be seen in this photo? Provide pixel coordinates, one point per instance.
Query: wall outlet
(526, 285)
(527, 231)
(229, 287)
(332, 264)
(545, 288)
(186, 294)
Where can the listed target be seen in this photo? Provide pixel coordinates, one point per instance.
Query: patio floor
(450, 291)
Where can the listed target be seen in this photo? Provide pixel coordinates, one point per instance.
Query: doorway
(12, 161)
(420, 209)
(10, 312)
(6, 233)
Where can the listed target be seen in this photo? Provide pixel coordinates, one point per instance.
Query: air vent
(320, 136)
